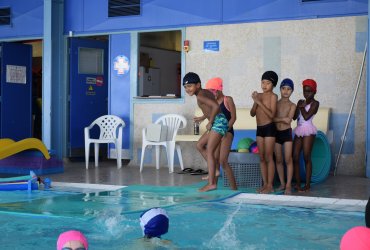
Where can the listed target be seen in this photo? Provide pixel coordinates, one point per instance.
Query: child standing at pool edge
(227, 106)
(264, 108)
(305, 131)
(217, 123)
(284, 115)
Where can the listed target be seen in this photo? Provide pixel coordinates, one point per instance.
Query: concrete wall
(328, 50)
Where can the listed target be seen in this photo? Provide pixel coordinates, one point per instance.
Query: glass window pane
(91, 61)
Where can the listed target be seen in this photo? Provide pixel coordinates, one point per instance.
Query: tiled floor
(344, 187)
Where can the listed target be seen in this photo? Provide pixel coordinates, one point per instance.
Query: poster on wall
(121, 65)
(16, 74)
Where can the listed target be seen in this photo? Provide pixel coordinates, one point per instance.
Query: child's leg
(201, 145)
(297, 147)
(224, 157)
(269, 151)
(261, 151)
(288, 148)
(307, 149)
(279, 165)
(212, 143)
(217, 159)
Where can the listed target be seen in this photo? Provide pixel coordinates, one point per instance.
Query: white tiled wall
(322, 49)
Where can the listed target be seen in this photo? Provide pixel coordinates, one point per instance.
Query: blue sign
(211, 46)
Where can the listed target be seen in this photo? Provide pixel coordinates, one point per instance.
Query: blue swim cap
(287, 82)
(154, 222)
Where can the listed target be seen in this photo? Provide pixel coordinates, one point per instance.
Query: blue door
(16, 91)
(88, 88)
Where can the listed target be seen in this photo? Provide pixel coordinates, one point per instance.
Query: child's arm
(289, 119)
(269, 112)
(199, 119)
(313, 109)
(296, 114)
(232, 109)
(254, 108)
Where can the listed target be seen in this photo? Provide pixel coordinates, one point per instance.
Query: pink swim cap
(356, 238)
(69, 236)
(215, 83)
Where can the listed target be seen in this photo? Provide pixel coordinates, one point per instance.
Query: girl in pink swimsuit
(305, 132)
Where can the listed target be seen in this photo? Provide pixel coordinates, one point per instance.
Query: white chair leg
(87, 154)
(170, 155)
(157, 156)
(179, 155)
(96, 147)
(119, 155)
(142, 157)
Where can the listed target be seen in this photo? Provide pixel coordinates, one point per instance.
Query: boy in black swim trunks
(264, 108)
(217, 126)
(284, 115)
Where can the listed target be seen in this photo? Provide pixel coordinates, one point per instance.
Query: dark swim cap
(271, 76)
(287, 82)
(191, 77)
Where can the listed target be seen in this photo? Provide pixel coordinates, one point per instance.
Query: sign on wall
(121, 65)
(16, 74)
(211, 46)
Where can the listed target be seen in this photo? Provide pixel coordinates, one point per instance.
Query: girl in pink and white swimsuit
(305, 128)
(305, 132)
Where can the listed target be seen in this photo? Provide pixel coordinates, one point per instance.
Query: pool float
(9, 147)
(26, 182)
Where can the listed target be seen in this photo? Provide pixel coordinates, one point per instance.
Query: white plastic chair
(110, 132)
(173, 122)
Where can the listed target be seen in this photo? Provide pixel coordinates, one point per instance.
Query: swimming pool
(110, 221)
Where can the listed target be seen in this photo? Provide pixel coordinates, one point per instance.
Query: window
(91, 61)
(4, 16)
(123, 8)
(160, 64)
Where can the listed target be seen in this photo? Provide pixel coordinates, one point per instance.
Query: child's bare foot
(288, 190)
(206, 177)
(207, 188)
(281, 187)
(268, 190)
(306, 188)
(259, 190)
(298, 188)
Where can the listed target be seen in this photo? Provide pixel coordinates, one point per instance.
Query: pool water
(111, 222)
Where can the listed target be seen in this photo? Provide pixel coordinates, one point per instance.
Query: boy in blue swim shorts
(217, 126)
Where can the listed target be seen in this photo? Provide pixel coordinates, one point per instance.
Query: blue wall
(91, 16)
(27, 19)
(119, 88)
